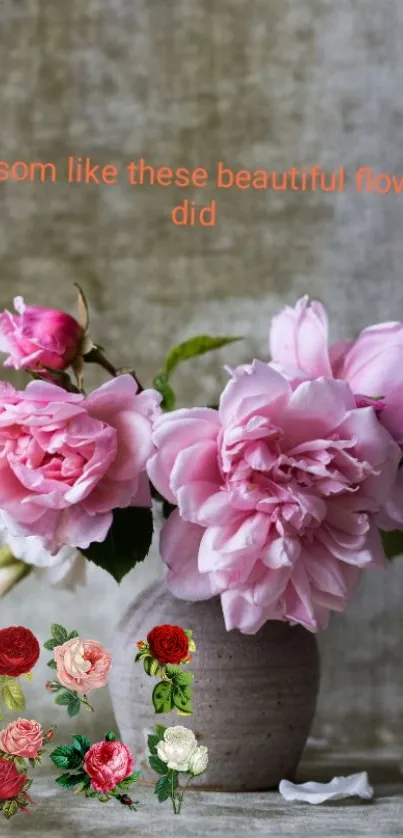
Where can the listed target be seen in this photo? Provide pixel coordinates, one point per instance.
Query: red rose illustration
(19, 651)
(168, 644)
(11, 782)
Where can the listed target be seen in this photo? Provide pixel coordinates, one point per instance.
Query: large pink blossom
(372, 364)
(276, 493)
(66, 461)
(39, 336)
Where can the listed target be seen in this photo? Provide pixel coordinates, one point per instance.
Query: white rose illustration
(177, 747)
(198, 761)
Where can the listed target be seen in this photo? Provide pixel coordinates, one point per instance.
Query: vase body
(254, 696)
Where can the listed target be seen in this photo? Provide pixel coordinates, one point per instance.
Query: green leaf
(74, 707)
(65, 756)
(194, 347)
(129, 781)
(151, 666)
(70, 700)
(13, 695)
(72, 634)
(162, 697)
(81, 743)
(159, 731)
(183, 679)
(158, 765)
(59, 633)
(392, 543)
(127, 543)
(163, 788)
(152, 743)
(110, 736)
(52, 664)
(10, 808)
(182, 698)
(168, 395)
(68, 781)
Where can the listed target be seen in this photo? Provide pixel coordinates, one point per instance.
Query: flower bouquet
(275, 501)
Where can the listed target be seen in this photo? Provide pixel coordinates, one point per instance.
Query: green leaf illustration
(159, 731)
(163, 787)
(181, 697)
(81, 744)
(51, 644)
(158, 765)
(68, 781)
(70, 700)
(10, 808)
(59, 633)
(152, 743)
(72, 635)
(127, 543)
(162, 697)
(110, 736)
(52, 664)
(151, 666)
(65, 756)
(12, 695)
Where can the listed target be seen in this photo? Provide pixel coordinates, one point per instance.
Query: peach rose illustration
(82, 665)
(22, 738)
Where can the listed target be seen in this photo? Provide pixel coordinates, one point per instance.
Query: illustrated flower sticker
(103, 771)
(165, 650)
(14, 786)
(81, 666)
(174, 751)
(24, 740)
(19, 652)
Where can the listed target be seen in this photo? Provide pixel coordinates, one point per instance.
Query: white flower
(178, 746)
(198, 761)
(66, 569)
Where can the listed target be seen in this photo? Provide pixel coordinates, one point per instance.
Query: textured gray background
(258, 84)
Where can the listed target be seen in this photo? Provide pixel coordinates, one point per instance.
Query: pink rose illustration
(39, 336)
(107, 764)
(22, 738)
(277, 496)
(67, 460)
(82, 665)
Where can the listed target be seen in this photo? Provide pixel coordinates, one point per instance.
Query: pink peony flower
(39, 336)
(22, 738)
(107, 764)
(276, 493)
(82, 665)
(372, 364)
(67, 460)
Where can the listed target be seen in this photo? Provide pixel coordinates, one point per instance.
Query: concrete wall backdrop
(261, 84)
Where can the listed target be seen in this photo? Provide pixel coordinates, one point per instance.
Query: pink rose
(372, 364)
(107, 764)
(22, 738)
(66, 461)
(276, 493)
(82, 665)
(39, 336)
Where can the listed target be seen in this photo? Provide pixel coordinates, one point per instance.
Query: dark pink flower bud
(39, 337)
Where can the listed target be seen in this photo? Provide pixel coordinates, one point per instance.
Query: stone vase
(254, 696)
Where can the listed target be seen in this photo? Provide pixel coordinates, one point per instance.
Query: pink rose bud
(52, 686)
(39, 337)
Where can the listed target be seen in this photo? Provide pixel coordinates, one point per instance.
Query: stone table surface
(58, 814)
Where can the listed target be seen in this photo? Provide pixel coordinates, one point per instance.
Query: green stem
(173, 793)
(87, 705)
(181, 796)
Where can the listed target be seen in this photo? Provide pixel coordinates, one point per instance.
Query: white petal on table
(355, 785)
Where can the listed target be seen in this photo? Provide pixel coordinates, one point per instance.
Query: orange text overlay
(140, 173)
